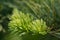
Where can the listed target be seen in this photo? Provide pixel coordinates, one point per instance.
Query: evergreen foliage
(21, 21)
(30, 19)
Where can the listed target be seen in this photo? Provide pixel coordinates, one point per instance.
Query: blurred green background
(29, 11)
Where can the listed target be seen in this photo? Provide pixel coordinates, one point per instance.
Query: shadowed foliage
(29, 16)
